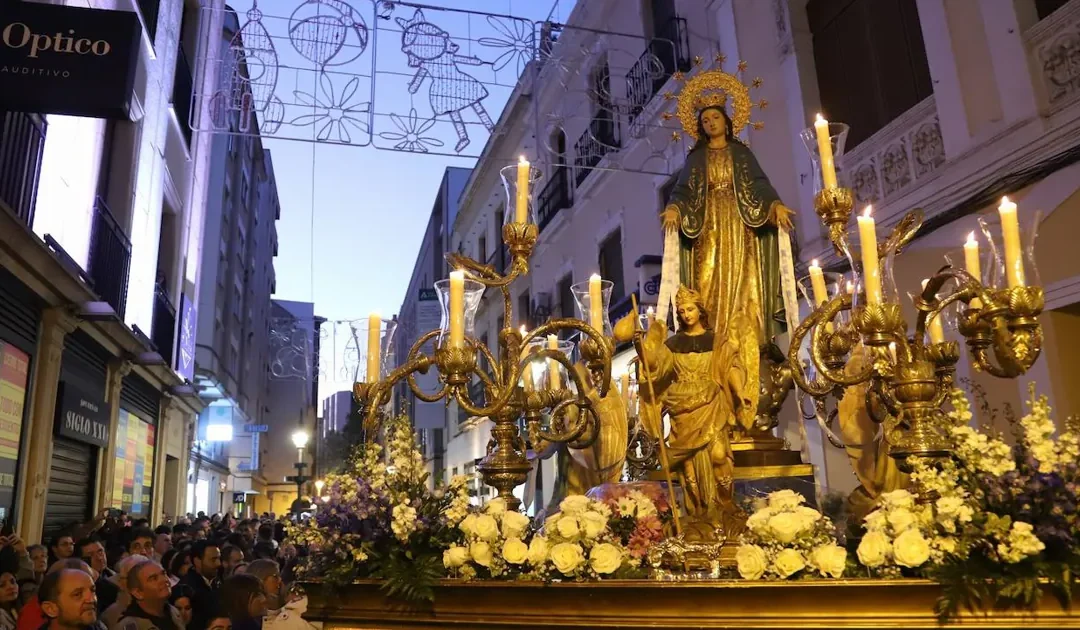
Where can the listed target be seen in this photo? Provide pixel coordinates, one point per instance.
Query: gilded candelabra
(908, 379)
(512, 400)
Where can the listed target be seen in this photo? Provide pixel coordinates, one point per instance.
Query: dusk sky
(352, 216)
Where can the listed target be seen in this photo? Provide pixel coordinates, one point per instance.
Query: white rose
(514, 524)
(751, 561)
(874, 549)
(808, 516)
(829, 560)
(593, 523)
(945, 544)
(486, 527)
(898, 499)
(567, 557)
(785, 527)
(901, 519)
(481, 553)
(515, 551)
(454, 557)
(783, 499)
(789, 562)
(759, 521)
(538, 551)
(495, 507)
(949, 506)
(876, 520)
(568, 527)
(468, 525)
(574, 504)
(605, 558)
(910, 549)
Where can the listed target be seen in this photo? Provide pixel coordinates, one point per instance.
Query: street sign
(256, 428)
(238, 497)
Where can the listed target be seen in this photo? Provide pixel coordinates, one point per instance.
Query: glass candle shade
(997, 276)
(948, 316)
(834, 284)
(838, 133)
(548, 373)
(521, 181)
(583, 297)
(367, 343)
(473, 292)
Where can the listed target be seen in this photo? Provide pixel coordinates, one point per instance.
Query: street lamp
(299, 440)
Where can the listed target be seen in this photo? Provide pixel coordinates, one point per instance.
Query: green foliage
(409, 577)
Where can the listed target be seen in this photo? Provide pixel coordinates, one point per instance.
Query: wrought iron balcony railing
(667, 53)
(599, 139)
(555, 197)
(22, 143)
(163, 331)
(110, 258)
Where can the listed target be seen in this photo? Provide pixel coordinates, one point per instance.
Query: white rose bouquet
(493, 544)
(577, 543)
(786, 538)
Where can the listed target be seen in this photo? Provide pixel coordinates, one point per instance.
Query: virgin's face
(689, 314)
(713, 122)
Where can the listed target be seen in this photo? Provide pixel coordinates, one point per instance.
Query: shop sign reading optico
(57, 59)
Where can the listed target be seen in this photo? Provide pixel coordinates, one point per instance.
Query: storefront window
(134, 473)
(14, 374)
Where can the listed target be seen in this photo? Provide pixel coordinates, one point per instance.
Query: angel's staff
(643, 375)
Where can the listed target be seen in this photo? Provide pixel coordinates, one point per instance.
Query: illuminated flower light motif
(518, 40)
(335, 113)
(411, 135)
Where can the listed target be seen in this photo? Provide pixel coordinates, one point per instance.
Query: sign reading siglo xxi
(57, 59)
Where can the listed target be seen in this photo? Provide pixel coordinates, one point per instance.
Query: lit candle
(817, 281)
(824, 143)
(871, 271)
(530, 384)
(1010, 234)
(374, 339)
(937, 333)
(553, 365)
(521, 209)
(596, 304)
(850, 287)
(971, 262)
(457, 309)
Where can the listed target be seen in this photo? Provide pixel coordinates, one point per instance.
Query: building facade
(292, 391)
(950, 105)
(420, 313)
(99, 214)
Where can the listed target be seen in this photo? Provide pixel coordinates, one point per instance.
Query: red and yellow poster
(14, 374)
(133, 477)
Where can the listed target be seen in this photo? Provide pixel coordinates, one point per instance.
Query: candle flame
(971, 239)
(814, 263)
(1004, 200)
(522, 160)
(925, 282)
(595, 276)
(522, 330)
(850, 286)
(819, 118)
(867, 211)
(457, 274)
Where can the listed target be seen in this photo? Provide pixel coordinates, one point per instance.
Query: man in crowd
(62, 547)
(205, 564)
(69, 601)
(231, 557)
(162, 542)
(142, 542)
(92, 552)
(112, 614)
(150, 610)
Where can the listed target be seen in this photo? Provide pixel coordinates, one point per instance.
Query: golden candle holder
(909, 379)
(568, 409)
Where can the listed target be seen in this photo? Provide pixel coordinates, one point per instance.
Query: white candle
(972, 263)
(817, 282)
(521, 208)
(1010, 235)
(871, 271)
(457, 309)
(596, 304)
(374, 338)
(553, 365)
(824, 143)
(933, 326)
(850, 287)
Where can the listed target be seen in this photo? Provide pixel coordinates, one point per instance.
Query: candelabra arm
(817, 347)
(416, 353)
(485, 274)
(816, 389)
(879, 393)
(373, 396)
(493, 380)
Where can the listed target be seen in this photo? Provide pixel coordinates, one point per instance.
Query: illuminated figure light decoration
(451, 91)
(252, 78)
